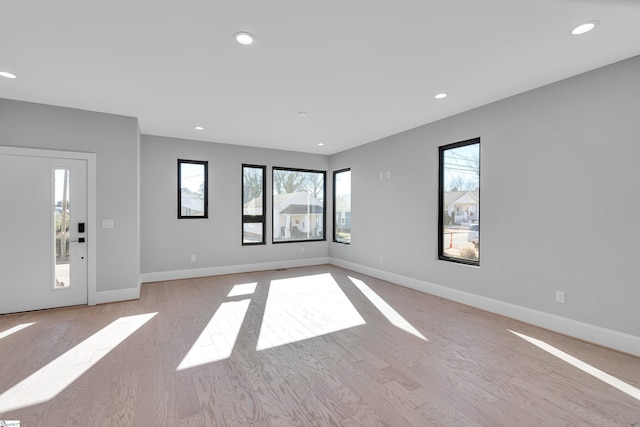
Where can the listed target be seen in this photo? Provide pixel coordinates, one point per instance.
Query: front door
(43, 232)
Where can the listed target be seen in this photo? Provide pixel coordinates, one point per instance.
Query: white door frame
(91, 204)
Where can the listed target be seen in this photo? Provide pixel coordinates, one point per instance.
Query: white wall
(168, 243)
(567, 150)
(114, 140)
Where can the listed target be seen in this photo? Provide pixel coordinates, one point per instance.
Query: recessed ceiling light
(584, 28)
(244, 38)
(320, 144)
(198, 128)
(441, 95)
(302, 114)
(7, 75)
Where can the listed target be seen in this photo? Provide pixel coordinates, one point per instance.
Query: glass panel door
(44, 251)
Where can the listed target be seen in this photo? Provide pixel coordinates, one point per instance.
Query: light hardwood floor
(307, 346)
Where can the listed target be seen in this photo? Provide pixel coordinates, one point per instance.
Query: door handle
(80, 240)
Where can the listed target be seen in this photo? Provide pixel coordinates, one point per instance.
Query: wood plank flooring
(329, 356)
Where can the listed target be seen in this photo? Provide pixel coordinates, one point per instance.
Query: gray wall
(560, 187)
(168, 243)
(559, 178)
(114, 140)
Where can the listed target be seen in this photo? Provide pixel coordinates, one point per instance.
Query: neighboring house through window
(459, 202)
(298, 205)
(193, 189)
(253, 207)
(342, 206)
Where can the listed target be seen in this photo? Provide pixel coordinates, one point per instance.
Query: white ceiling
(361, 69)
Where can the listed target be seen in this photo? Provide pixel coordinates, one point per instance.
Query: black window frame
(335, 225)
(254, 219)
(441, 205)
(204, 163)
(324, 205)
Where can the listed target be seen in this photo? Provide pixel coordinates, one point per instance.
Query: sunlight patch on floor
(304, 307)
(244, 289)
(218, 338)
(46, 383)
(595, 372)
(15, 329)
(387, 311)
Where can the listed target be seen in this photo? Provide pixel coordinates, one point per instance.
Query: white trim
(139, 211)
(595, 334)
(52, 235)
(229, 269)
(117, 295)
(92, 271)
(92, 227)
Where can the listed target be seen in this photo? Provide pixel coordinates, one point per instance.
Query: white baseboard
(230, 269)
(117, 295)
(595, 334)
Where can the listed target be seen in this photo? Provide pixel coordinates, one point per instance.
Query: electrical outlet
(380, 176)
(193, 257)
(388, 174)
(380, 259)
(560, 297)
(302, 250)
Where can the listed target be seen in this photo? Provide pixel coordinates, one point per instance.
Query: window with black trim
(342, 206)
(298, 205)
(459, 202)
(193, 199)
(253, 206)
